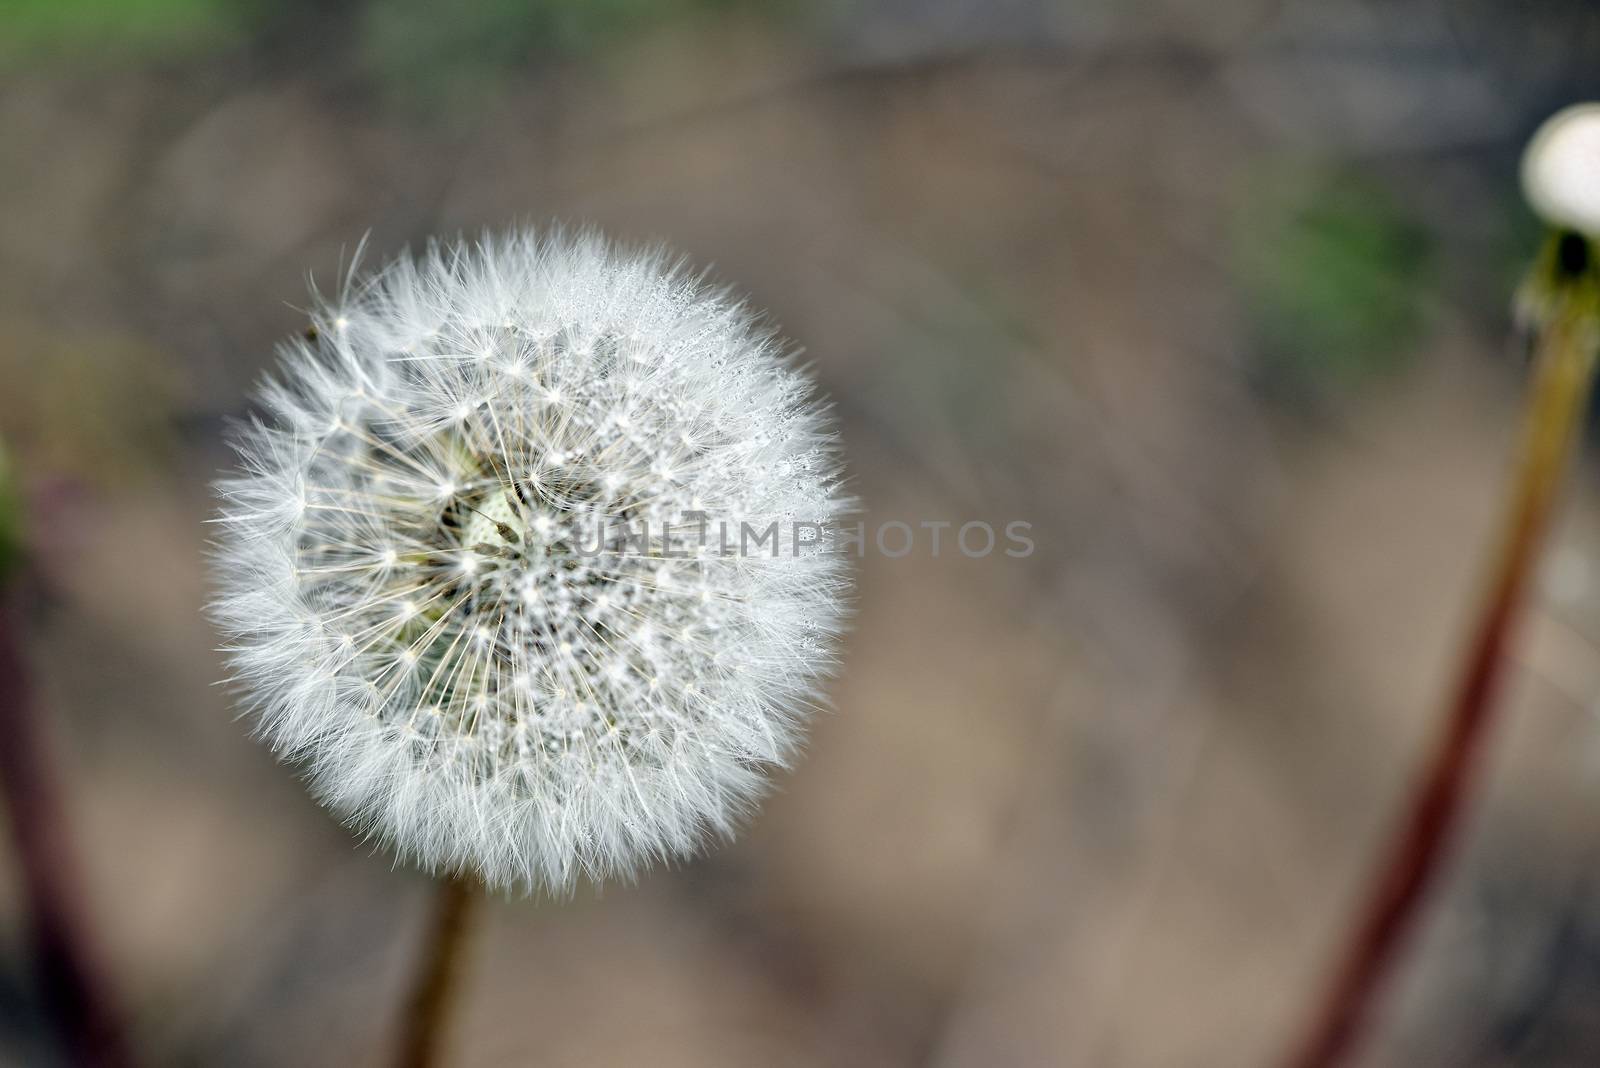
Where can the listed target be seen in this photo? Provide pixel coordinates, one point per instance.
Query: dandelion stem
(433, 991)
(1563, 381)
(71, 990)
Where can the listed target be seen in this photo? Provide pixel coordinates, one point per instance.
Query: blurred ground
(1212, 295)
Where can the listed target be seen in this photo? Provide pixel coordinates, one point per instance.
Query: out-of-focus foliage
(131, 27)
(1333, 273)
(437, 58)
(420, 53)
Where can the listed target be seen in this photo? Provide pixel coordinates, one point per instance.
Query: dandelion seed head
(431, 581)
(1561, 169)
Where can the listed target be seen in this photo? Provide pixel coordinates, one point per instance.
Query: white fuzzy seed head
(1561, 169)
(408, 568)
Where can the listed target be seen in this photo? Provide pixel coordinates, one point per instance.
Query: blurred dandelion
(1559, 303)
(433, 578)
(1561, 167)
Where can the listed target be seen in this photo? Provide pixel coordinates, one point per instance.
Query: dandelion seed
(406, 609)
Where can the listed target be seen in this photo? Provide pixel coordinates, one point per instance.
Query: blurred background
(1214, 295)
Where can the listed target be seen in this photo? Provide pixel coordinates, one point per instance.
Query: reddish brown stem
(70, 988)
(433, 995)
(1563, 381)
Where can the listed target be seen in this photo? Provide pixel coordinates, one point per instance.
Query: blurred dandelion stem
(437, 979)
(1563, 298)
(71, 990)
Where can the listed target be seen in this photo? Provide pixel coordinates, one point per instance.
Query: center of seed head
(495, 521)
